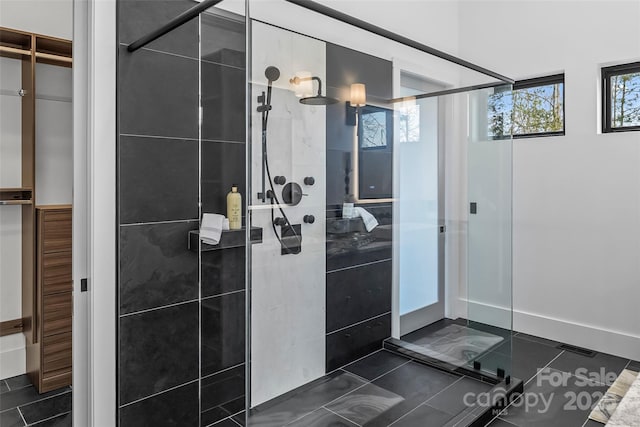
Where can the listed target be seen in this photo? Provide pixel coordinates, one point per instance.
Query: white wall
(48, 17)
(576, 197)
(54, 135)
(12, 347)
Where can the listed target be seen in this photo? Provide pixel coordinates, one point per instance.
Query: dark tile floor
(384, 389)
(561, 387)
(379, 390)
(21, 405)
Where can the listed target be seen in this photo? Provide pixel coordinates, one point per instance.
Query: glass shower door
(489, 234)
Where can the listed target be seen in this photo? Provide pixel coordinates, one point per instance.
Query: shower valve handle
(309, 219)
(280, 221)
(280, 180)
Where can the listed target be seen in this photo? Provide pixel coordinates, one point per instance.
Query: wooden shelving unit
(30, 48)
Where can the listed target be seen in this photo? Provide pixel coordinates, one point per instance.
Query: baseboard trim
(587, 336)
(582, 335)
(13, 362)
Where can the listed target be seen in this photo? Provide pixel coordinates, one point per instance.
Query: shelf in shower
(230, 239)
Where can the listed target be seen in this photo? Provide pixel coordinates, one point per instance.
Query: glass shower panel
(287, 204)
(489, 234)
(222, 154)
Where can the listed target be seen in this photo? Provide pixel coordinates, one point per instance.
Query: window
(409, 125)
(621, 98)
(534, 107)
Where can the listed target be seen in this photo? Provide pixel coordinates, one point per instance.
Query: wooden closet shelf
(16, 196)
(14, 202)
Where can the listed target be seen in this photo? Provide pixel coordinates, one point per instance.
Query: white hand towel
(370, 221)
(211, 228)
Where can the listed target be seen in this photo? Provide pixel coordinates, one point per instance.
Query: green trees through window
(621, 95)
(534, 107)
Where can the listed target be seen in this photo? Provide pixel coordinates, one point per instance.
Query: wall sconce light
(358, 95)
(357, 99)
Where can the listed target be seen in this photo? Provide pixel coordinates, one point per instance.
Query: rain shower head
(318, 100)
(313, 100)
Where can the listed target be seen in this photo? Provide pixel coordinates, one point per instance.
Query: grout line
(158, 308)
(543, 368)
(7, 384)
(133, 224)
(40, 399)
(148, 49)
(523, 391)
(426, 402)
(21, 416)
(589, 380)
(158, 393)
(358, 323)
(161, 51)
(508, 422)
(397, 367)
(47, 419)
(182, 138)
(223, 294)
(177, 138)
(344, 418)
(342, 395)
(357, 360)
(359, 265)
(223, 370)
(357, 376)
(222, 64)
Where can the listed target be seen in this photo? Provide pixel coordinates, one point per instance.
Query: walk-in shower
(370, 284)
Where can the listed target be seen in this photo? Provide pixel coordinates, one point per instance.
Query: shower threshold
(479, 412)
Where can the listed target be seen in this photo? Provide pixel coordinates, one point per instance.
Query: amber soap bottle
(234, 208)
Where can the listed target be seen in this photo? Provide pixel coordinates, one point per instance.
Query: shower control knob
(309, 180)
(280, 221)
(309, 219)
(280, 180)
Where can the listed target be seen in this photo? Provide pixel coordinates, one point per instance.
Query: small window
(535, 107)
(621, 98)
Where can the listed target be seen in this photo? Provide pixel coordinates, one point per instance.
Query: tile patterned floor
(384, 389)
(561, 387)
(21, 405)
(381, 389)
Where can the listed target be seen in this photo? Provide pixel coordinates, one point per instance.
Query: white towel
(370, 221)
(211, 228)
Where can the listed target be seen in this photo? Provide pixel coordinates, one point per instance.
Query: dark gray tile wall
(358, 293)
(181, 340)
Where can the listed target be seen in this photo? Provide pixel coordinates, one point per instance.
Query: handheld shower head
(272, 73)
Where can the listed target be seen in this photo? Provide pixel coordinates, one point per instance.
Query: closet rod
(58, 58)
(172, 25)
(14, 50)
